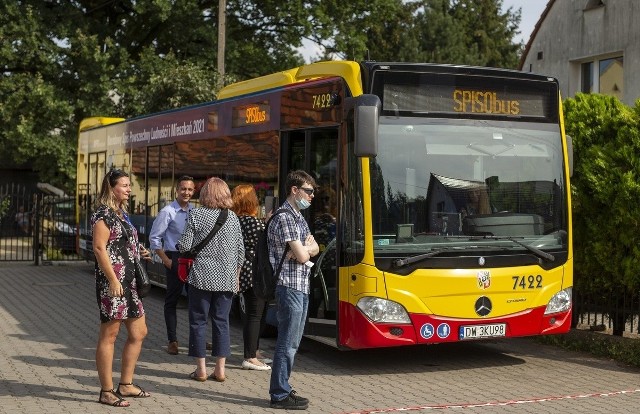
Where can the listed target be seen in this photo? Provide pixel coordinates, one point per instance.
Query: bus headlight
(383, 310)
(560, 302)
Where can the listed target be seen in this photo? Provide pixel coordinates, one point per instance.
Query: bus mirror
(366, 115)
(570, 153)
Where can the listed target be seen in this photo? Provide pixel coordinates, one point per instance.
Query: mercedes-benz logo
(483, 306)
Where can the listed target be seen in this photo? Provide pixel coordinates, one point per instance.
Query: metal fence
(616, 311)
(35, 226)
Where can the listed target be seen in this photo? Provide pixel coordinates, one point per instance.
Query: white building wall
(569, 35)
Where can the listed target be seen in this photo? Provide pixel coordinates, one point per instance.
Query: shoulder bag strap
(125, 226)
(129, 235)
(287, 247)
(222, 218)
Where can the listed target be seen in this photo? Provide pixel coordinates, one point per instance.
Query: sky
(529, 16)
(530, 13)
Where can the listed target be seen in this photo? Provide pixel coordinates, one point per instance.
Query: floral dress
(122, 245)
(250, 226)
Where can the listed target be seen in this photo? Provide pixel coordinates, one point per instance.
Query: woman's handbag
(184, 267)
(185, 261)
(143, 283)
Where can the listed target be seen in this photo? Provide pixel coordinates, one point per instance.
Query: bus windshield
(460, 184)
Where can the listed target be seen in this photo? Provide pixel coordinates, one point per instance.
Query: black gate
(36, 227)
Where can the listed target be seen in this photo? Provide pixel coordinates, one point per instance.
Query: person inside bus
(245, 205)
(213, 279)
(477, 202)
(115, 245)
(165, 233)
(324, 231)
(292, 290)
(324, 217)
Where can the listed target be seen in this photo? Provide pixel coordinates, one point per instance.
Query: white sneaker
(249, 365)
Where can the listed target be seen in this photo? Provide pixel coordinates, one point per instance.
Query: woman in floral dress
(115, 245)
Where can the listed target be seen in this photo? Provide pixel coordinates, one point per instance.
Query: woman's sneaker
(292, 402)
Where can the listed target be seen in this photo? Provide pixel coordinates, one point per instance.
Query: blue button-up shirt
(168, 227)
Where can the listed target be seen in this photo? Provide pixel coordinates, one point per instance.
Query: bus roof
(370, 66)
(97, 121)
(348, 70)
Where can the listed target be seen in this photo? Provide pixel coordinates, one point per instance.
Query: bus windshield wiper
(408, 260)
(413, 259)
(541, 254)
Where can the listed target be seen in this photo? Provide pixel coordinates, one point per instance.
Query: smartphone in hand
(144, 253)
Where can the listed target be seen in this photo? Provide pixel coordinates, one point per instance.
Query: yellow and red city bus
(443, 202)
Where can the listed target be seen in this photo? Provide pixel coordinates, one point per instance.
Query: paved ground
(49, 324)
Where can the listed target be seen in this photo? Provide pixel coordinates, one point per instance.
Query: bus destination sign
(486, 98)
(251, 114)
(484, 102)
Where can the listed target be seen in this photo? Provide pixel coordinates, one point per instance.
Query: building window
(605, 76)
(587, 77)
(611, 77)
(539, 55)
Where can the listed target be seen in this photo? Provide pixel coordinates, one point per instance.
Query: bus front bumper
(358, 332)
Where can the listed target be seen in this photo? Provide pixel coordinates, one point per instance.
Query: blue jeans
(292, 314)
(216, 305)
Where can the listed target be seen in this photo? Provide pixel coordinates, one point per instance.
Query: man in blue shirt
(165, 233)
(292, 290)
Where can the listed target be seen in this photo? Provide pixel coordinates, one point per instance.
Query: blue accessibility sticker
(427, 331)
(444, 330)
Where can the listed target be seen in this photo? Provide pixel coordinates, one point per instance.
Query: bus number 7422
(527, 282)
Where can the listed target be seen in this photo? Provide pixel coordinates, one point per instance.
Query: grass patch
(621, 349)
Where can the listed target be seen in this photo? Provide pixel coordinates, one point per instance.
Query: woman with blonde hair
(115, 245)
(213, 279)
(245, 205)
(477, 203)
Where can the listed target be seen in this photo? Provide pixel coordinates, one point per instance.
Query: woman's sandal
(141, 394)
(120, 402)
(194, 376)
(216, 378)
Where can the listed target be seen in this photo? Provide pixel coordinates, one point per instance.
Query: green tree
(471, 32)
(605, 192)
(63, 61)
(363, 29)
(34, 108)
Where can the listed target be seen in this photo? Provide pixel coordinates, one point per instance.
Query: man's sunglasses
(309, 191)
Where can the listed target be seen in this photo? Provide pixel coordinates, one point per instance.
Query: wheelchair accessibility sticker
(427, 331)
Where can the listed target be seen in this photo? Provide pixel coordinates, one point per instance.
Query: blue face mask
(303, 203)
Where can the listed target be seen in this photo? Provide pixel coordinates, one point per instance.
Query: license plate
(483, 331)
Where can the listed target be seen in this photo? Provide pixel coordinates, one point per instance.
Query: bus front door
(315, 151)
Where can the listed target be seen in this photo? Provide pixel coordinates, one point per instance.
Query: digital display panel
(312, 104)
(251, 114)
(460, 95)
